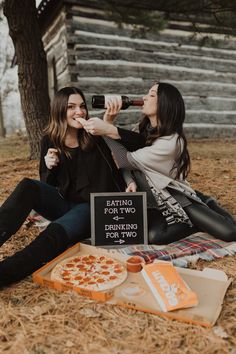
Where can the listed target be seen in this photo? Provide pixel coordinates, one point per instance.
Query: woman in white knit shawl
(159, 159)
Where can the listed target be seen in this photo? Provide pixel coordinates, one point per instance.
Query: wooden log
(137, 87)
(147, 45)
(117, 53)
(134, 115)
(167, 35)
(210, 103)
(156, 72)
(213, 131)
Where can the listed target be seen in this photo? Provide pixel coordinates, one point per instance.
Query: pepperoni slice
(105, 273)
(89, 262)
(109, 261)
(81, 267)
(70, 265)
(92, 257)
(104, 266)
(113, 277)
(69, 283)
(118, 270)
(100, 280)
(86, 279)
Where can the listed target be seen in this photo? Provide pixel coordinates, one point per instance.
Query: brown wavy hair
(171, 116)
(57, 127)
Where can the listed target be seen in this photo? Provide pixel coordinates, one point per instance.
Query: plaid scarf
(169, 207)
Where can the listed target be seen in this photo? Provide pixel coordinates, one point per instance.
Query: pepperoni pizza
(90, 272)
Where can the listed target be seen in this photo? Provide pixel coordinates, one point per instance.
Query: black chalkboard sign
(118, 219)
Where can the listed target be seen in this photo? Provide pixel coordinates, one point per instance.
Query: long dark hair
(171, 116)
(56, 130)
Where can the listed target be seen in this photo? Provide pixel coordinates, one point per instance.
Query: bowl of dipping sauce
(134, 264)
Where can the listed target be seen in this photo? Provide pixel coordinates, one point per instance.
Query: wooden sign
(118, 219)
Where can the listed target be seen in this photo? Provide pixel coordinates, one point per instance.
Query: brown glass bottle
(99, 101)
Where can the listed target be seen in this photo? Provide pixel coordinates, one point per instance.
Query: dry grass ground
(36, 320)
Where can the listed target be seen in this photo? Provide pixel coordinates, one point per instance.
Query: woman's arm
(159, 157)
(97, 126)
(129, 180)
(130, 139)
(120, 154)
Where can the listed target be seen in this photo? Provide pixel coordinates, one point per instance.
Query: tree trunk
(2, 128)
(32, 68)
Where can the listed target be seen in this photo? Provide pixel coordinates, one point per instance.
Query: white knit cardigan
(156, 162)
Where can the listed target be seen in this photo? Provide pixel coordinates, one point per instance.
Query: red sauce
(134, 264)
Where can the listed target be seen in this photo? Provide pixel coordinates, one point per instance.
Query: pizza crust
(97, 273)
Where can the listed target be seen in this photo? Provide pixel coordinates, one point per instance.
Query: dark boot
(16, 208)
(50, 243)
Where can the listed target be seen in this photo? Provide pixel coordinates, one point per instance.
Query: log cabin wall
(55, 45)
(86, 49)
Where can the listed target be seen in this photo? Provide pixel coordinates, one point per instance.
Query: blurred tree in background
(32, 68)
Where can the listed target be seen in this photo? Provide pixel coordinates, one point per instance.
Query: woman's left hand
(113, 106)
(132, 187)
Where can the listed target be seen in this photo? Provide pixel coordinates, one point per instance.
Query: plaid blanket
(185, 251)
(181, 253)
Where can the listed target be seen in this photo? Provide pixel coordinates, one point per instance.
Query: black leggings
(213, 219)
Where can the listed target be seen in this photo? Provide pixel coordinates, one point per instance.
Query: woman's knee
(159, 235)
(229, 235)
(154, 237)
(76, 222)
(156, 226)
(26, 185)
(163, 235)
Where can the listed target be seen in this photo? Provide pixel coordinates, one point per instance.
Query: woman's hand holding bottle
(113, 105)
(51, 159)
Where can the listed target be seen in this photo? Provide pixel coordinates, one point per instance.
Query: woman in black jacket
(73, 164)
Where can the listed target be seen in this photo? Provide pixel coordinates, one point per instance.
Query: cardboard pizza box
(43, 275)
(210, 285)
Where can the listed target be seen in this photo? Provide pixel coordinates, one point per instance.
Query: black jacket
(97, 173)
(131, 140)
